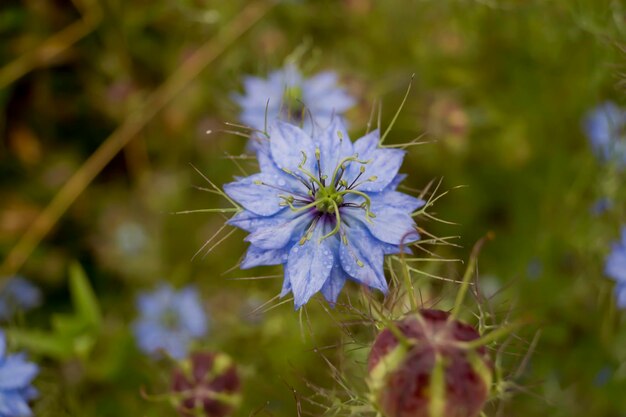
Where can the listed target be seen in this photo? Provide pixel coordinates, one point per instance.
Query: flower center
(169, 319)
(327, 198)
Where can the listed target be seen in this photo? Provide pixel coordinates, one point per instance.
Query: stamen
(344, 239)
(298, 177)
(301, 208)
(312, 177)
(366, 205)
(309, 232)
(361, 171)
(342, 183)
(342, 165)
(370, 179)
(259, 182)
(319, 166)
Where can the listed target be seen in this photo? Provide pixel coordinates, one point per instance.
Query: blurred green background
(500, 90)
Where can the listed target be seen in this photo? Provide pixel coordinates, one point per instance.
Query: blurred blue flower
(288, 96)
(18, 294)
(601, 206)
(16, 376)
(615, 268)
(606, 128)
(325, 208)
(603, 376)
(169, 320)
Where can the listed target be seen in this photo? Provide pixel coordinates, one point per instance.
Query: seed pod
(428, 373)
(206, 384)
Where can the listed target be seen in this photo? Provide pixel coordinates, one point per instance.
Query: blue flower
(606, 128)
(288, 96)
(601, 206)
(18, 294)
(170, 320)
(615, 268)
(16, 376)
(325, 208)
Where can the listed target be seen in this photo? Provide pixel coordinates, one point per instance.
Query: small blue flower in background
(169, 320)
(18, 294)
(601, 206)
(16, 376)
(606, 128)
(615, 268)
(288, 96)
(325, 208)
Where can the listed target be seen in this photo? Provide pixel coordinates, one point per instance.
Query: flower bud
(429, 372)
(206, 384)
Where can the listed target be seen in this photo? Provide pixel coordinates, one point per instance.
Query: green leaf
(40, 342)
(83, 297)
(68, 326)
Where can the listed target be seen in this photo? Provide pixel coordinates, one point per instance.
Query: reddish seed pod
(429, 373)
(206, 384)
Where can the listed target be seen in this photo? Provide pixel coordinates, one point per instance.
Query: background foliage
(500, 89)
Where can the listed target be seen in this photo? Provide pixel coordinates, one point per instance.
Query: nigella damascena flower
(606, 128)
(18, 294)
(16, 376)
(615, 268)
(325, 208)
(288, 96)
(170, 320)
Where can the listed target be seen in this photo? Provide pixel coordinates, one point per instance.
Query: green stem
(493, 336)
(467, 276)
(395, 117)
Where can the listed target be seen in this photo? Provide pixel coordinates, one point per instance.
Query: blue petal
(3, 345)
(334, 284)
(396, 249)
(384, 163)
(334, 144)
(147, 334)
(245, 220)
(152, 337)
(256, 118)
(278, 233)
(309, 265)
(602, 126)
(258, 198)
(288, 143)
(396, 199)
(192, 315)
(152, 304)
(391, 225)
(321, 83)
(324, 98)
(616, 264)
(396, 181)
(15, 372)
(250, 221)
(176, 345)
(13, 404)
(257, 257)
(362, 258)
(286, 287)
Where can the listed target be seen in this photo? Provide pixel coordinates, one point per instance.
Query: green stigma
(327, 199)
(292, 103)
